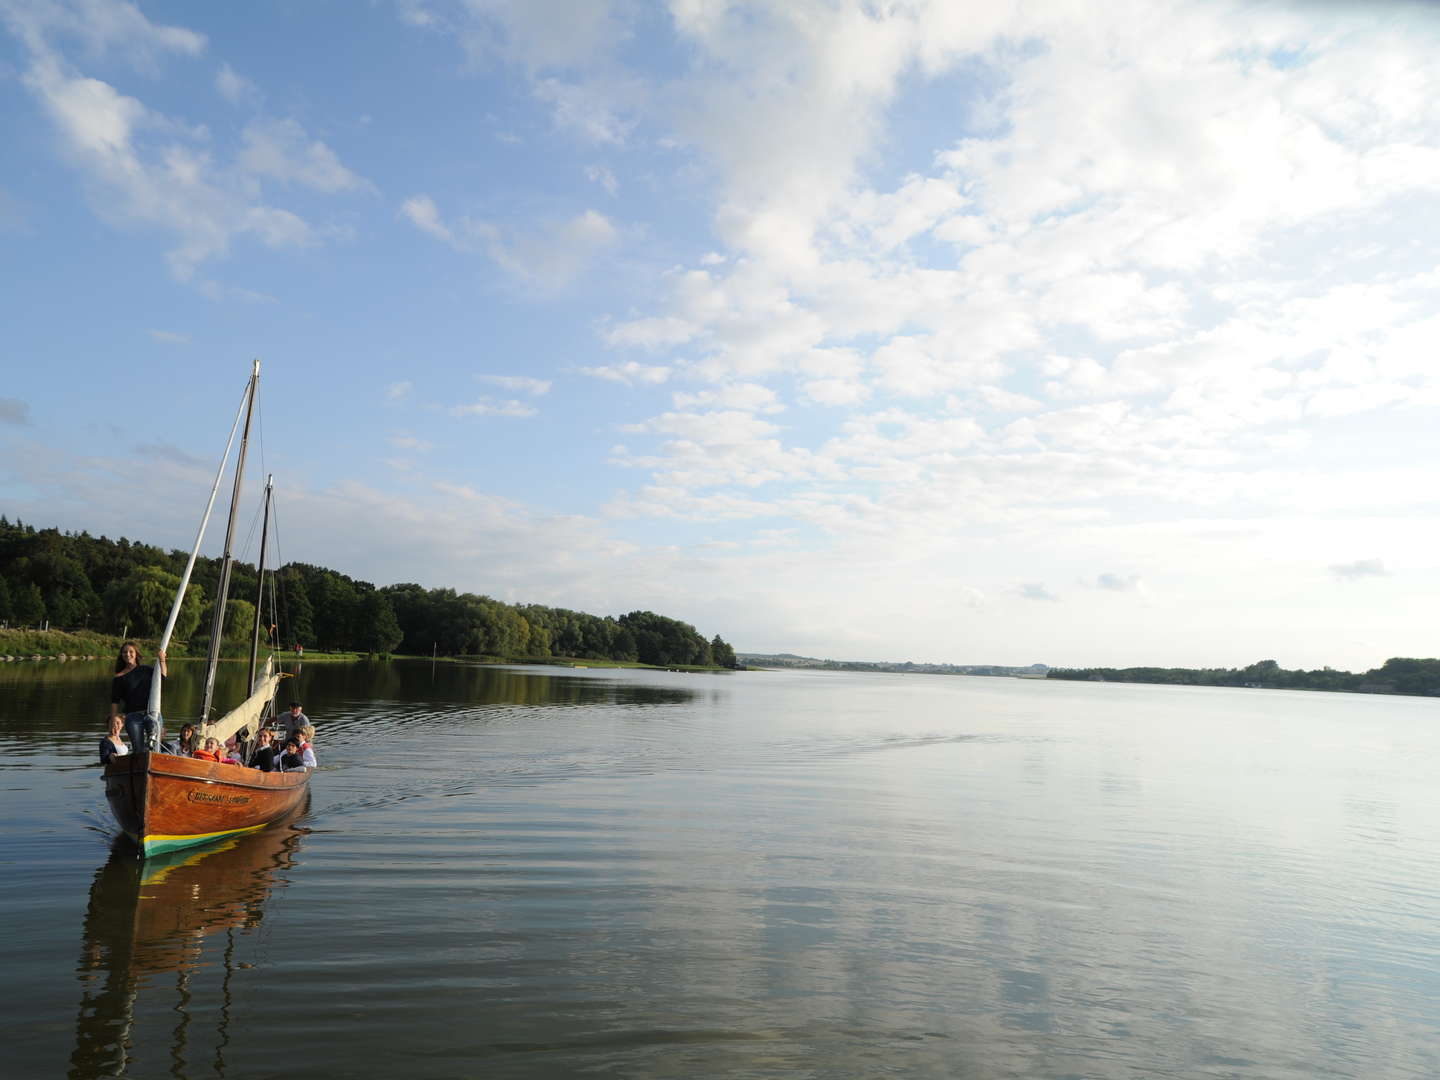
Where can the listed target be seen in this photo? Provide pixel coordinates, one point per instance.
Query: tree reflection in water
(152, 918)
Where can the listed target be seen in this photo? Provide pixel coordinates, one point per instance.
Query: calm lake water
(530, 872)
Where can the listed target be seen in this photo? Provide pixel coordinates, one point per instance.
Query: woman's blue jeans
(144, 733)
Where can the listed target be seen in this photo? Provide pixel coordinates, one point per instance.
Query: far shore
(18, 646)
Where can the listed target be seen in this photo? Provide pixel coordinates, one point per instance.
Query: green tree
(239, 621)
(336, 604)
(297, 616)
(29, 605)
(142, 599)
(379, 631)
(721, 653)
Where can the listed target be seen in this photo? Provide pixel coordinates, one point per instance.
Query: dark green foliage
(724, 655)
(29, 605)
(378, 630)
(63, 576)
(297, 616)
(141, 601)
(664, 641)
(1396, 676)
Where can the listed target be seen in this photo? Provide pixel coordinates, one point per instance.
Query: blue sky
(934, 331)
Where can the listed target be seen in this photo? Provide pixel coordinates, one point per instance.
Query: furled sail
(248, 713)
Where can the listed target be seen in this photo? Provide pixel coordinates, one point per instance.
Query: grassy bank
(54, 643)
(561, 661)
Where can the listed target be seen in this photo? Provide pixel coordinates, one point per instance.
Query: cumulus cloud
(521, 384)
(488, 406)
(630, 373)
(549, 255)
(1359, 569)
(1119, 582)
(143, 168)
(281, 150)
(1035, 590)
(599, 174)
(235, 88)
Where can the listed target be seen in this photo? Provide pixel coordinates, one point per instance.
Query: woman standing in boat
(130, 696)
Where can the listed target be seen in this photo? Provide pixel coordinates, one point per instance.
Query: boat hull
(165, 803)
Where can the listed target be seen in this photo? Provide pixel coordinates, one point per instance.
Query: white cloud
(522, 384)
(1035, 590)
(1359, 569)
(169, 337)
(707, 428)
(488, 406)
(101, 26)
(578, 107)
(281, 150)
(398, 391)
(410, 442)
(425, 216)
(144, 168)
(235, 88)
(629, 373)
(1119, 582)
(751, 397)
(550, 255)
(599, 174)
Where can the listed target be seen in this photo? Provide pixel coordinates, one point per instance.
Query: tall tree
(29, 605)
(142, 599)
(721, 653)
(379, 632)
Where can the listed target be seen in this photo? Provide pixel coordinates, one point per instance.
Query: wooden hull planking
(164, 802)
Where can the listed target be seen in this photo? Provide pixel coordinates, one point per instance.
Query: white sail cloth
(247, 713)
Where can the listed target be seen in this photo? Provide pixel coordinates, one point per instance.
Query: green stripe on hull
(159, 843)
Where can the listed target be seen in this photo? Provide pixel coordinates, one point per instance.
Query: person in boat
(296, 758)
(306, 736)
(130, 696)
(295, 719)
(112, 746)
(264, 756)
(185, 745)
(210, 751)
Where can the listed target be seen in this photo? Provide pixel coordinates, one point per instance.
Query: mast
(260, 581)
(227, 559)
(152, 706)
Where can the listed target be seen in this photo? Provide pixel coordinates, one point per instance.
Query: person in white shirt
(112, 746)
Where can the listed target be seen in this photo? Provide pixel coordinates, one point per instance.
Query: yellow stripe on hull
(158, 843)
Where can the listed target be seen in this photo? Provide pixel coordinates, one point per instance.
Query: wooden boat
(165, 802)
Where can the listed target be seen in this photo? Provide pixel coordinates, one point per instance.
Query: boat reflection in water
(149, 923)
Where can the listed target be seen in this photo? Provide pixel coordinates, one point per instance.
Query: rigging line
(279, 563)
(249, 537)
(260, 435)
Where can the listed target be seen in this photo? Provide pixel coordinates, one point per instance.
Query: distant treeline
(76, 581)
(1398, 675)
(906, 667)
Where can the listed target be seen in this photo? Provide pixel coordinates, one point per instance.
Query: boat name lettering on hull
(209, 797)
